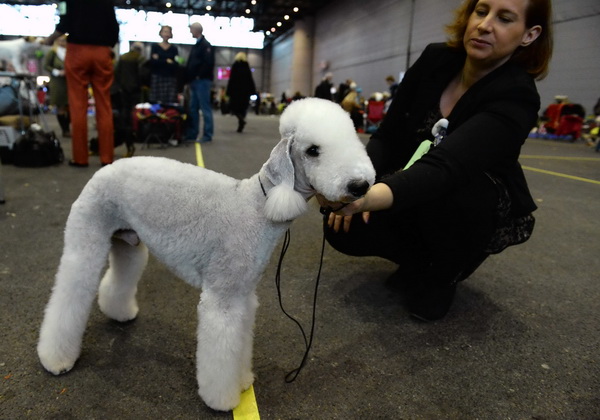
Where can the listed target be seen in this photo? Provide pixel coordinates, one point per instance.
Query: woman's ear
(531, 35)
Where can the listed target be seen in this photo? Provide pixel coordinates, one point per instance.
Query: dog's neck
(266, 184)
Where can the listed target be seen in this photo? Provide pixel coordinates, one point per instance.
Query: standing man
(93, 31)
(199, 75)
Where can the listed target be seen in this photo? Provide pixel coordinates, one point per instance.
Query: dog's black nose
(358, 188)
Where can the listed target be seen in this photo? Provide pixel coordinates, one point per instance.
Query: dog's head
(319, 153)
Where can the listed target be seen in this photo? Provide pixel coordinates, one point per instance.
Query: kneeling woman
(467, 197)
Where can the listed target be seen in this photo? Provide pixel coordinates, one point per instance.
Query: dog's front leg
(224, 355)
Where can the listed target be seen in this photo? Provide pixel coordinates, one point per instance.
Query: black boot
(241, 124)
(64, 122)
(130, 149)
(430, 302)
(431, 296)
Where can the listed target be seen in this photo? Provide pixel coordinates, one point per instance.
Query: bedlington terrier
(215, 232)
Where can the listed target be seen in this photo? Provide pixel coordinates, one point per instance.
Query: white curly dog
(213, 231)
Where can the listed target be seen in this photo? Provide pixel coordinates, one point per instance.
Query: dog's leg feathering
(224, 355)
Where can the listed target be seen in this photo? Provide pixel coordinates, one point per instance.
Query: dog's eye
(313, 151)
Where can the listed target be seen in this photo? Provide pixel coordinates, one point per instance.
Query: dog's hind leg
(76, 285)
(224, 355)
(116, 295)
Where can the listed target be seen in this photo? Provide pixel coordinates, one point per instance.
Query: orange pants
(90, 65)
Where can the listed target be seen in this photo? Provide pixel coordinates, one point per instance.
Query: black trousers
(128, 102)
(434, 243)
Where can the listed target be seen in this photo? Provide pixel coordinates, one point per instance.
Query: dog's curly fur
(213, 231)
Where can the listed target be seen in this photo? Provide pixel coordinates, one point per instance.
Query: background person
(239, 89)
(200, 75)
(93, 31)
(323, 90)
(54, 63)
(163, 69)
(392, 85)
(343, 90)
(440, 218)
(352, 104)
(128, 89)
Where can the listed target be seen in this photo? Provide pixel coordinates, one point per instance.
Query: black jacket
(128, 72)
(323, 90)
(90, 22)
(240, 86)
(160, 65)
(201, 62)
(487, 128)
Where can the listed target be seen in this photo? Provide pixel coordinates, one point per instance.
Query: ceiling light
(278, 23)
(253, 2)
(168, 5)
(208, 8)
(247, 11)
(296, 10)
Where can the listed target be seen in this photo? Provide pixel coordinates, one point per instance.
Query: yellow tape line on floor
(576, 178)
(589, 159)
(248, 408)
(199, 158)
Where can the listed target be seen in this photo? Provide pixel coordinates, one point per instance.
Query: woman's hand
(336, 221)
(379, 197)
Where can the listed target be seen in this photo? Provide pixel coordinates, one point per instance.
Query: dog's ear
(283, 202)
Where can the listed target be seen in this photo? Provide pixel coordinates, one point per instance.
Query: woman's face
(495, 29)
(165, 33)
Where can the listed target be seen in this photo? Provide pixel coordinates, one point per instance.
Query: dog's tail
(86, 248)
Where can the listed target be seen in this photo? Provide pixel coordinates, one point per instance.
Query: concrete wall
(366, 40)
(575, 67)
(281, 66)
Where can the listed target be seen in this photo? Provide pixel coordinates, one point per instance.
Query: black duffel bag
(37, 148)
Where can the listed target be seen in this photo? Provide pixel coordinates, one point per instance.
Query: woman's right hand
(336, 221)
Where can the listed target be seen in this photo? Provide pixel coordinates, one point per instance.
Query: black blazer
(487, 128)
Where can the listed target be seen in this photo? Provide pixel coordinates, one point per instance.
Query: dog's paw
(220, 401)
(55, 361)
(247, 380)
(117, 306)
(119, 312)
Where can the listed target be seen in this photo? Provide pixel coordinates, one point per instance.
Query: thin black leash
(291, 376)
